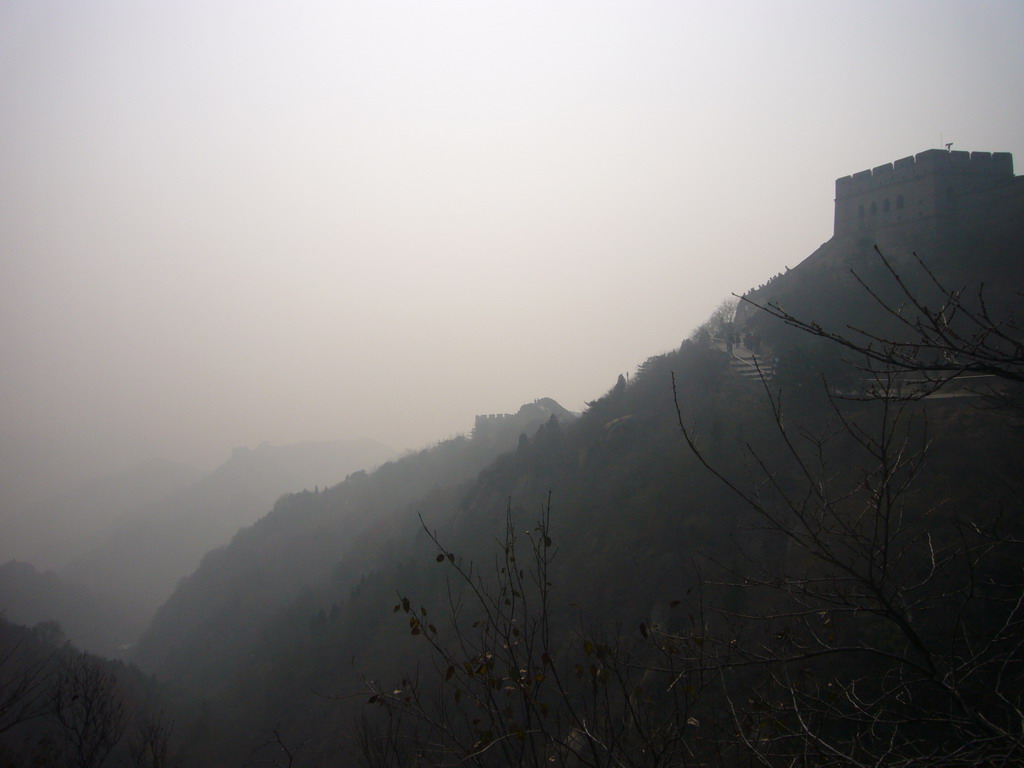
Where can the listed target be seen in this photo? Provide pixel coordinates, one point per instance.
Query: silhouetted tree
(26, 669)
(150, 745)
(939, 332)
(873, 616)
(888, 629)
(883, 622)
(512, 683)
(88, 706)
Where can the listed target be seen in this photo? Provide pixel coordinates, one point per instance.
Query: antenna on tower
(949, 145)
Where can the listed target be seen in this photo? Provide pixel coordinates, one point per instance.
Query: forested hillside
(144, 554)
(121, 543)
(60, 706)
(226, 612)
(841, 582)
(629, 384)
(815, 564)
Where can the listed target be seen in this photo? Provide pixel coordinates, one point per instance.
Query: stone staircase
(749, 366)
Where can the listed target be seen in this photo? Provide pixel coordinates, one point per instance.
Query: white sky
(229, 222)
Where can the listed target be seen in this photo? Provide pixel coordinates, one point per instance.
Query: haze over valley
(255, 223)
(575, 383)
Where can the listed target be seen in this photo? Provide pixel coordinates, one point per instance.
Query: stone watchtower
(958, 208)
(917, 189)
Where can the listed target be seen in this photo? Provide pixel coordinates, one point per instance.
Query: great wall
(934, 183)
(960, 209)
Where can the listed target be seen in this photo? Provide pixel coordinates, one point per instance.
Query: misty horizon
(511, 383)
(230, 225)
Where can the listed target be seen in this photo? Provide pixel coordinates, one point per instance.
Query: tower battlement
(931, 183)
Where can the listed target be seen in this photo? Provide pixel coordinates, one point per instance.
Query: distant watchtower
(934, 183)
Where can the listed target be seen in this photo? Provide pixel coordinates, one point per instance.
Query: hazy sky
(229, 222)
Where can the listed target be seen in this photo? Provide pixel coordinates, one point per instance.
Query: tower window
(899, 202)
(885, 205)
(874, 208)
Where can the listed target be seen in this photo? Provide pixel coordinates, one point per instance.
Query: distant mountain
(148, 549)
(216, 617)
(284, 624)
(54, 531)
(283, 630)
(29, 597)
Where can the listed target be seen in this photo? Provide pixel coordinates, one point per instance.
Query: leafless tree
(87, 704)
(24, 685)
(150, 745)
(872, 618)
(512, 683)
(719, 327)
(276, 751)
(938, 332)
(884, 624)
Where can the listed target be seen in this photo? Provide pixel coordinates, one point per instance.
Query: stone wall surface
(932, 183)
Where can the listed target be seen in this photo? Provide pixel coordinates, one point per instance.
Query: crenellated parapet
(931, 183)
(488, 422)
